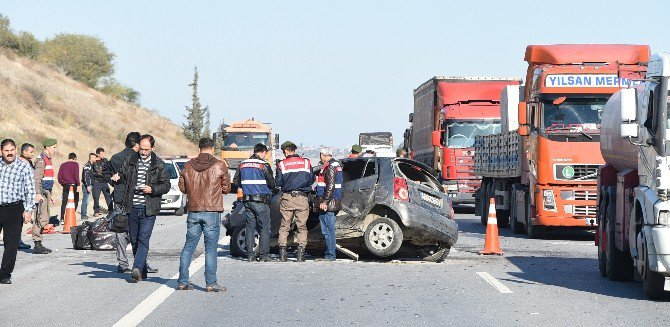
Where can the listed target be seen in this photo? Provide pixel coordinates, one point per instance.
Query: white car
(173, 200)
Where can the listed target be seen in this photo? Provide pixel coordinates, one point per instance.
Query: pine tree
(206, 132)
(193, 127)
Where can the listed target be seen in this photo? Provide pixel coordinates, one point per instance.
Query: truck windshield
(462, 134)
(376, 139)
(244, 140)
(576, 115)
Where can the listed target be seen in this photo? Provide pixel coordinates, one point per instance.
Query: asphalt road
(547, 282)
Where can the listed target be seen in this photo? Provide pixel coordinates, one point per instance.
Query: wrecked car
(390, 207)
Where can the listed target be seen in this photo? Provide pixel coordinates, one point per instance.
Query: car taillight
(400, 191)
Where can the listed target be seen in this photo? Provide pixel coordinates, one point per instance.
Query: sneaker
(135, 275)
(215, 288)
(185, 287)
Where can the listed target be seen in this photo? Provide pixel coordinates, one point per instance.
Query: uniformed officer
(294, 178)
(254, 176)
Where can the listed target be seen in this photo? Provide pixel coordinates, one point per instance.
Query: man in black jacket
(101, 182)
(110, 172)
(87, 183)
(146, 180)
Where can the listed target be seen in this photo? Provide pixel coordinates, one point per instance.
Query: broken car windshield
(462, 134)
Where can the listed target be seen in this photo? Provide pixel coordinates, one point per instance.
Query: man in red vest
(44, 182)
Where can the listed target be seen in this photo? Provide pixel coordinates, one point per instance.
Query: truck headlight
(549, 200)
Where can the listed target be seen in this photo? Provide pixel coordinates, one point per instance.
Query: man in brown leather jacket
(204, 180)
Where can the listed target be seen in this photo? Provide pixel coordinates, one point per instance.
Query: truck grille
(576, 172)
(586, 195)
(585, 211)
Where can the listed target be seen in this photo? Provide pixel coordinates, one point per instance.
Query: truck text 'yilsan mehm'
(543, 171)
(633, 235)
(448, 113)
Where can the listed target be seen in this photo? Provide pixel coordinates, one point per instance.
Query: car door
(359, 185)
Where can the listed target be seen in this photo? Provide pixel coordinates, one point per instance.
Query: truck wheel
(484, 203)
(653, 283)
(619, 266)
(602, 228)
(514, 223)
(238, 242)
(531, 230)
(383, 237)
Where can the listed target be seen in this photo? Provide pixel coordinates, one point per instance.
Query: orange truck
(240, 137)
(542, 168)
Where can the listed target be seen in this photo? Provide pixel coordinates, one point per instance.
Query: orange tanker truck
(542, 168)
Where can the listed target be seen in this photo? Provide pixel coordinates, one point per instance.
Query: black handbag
(118, 222)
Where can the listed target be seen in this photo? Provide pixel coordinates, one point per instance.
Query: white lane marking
(146, 307)
(494, 282)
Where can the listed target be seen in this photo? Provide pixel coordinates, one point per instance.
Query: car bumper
(462, 198)
(172, 201)
(429, 223)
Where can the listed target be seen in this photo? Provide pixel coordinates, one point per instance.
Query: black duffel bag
(100, 237)
(79, 235)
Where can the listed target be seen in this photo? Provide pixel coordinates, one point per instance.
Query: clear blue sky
(323, 71)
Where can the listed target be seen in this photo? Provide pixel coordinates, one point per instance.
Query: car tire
(238, 242)
(383, 237)
(439, 255)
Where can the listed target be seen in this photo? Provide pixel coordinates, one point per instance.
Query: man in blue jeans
(204, 180)
(146, 180)
(254, 176)
(329, 198)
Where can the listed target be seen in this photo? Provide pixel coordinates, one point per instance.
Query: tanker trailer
(633, 236)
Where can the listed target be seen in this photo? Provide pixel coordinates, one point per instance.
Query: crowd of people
(133, 182)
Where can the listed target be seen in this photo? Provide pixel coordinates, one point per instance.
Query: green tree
(206, 131)
(193, 127)
(28, 45)
(84, 58)
(117, 90)
(7, 37)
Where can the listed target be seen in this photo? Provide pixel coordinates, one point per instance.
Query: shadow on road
(474, 226)
(580, 274)
(464, 209)
(108, 271)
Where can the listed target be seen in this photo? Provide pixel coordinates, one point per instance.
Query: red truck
(448, 113)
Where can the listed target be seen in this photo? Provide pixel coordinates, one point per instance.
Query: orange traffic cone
(70, 214)
(492, 242)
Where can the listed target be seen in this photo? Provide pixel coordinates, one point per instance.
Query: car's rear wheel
(439, 254)
(383, 237)
(238, 242)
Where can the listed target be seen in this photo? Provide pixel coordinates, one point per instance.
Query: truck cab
(566, 91)
(240, 137)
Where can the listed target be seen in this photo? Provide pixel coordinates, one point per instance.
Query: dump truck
(381, 143)
(542, 168)
(448, 113)
(633, 236)
(240, 137)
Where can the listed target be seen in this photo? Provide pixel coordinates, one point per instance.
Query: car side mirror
(437, 138)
